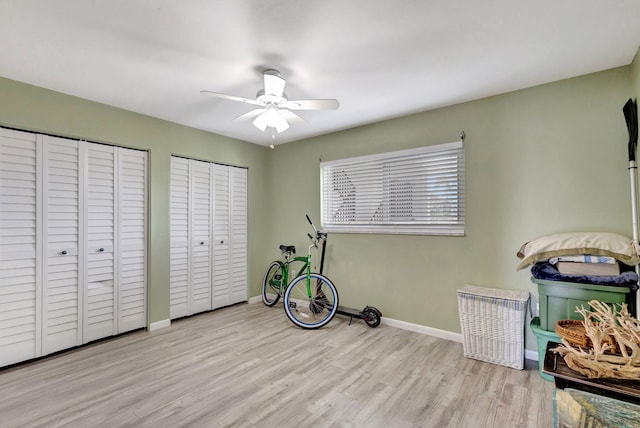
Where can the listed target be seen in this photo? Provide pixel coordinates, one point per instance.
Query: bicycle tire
(271, 290)
(315, 311)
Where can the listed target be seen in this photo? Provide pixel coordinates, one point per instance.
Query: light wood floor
(248, 366)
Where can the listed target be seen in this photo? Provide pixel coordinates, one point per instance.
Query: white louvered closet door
(131, 293)
(200, 236)
(72, 243)
(220, 288)
(61, 293)
(99, 307)
(238, 234)
(20, 222)
(179, 277)
(208, 236)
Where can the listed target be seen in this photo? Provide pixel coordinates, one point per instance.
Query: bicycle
(310, 299)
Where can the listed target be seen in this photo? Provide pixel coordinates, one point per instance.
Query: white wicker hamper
(492, 323)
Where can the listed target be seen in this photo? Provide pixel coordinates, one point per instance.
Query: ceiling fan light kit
(271, 117)
(275, 111)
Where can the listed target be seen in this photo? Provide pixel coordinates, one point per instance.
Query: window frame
(390, 211)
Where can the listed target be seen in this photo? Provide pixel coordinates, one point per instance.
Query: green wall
(541, 160)
(35, 109)
(538, 161)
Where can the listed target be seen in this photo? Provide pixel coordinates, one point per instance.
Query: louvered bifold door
(238, 234)
(19, 248)
(99, 307)
(200, 222)
(61, 293)
(221, 295)
(131, 239)
(180, 295)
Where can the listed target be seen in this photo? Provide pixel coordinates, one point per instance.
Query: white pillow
(576, 243)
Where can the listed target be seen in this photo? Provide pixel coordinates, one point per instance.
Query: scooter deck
(350, 312)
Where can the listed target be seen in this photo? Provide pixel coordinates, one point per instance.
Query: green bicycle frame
(283, 283)
(305, 269)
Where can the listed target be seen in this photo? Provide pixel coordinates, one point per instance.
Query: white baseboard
(255, 299)
(159, 324)
(442, 334)
(529, 354)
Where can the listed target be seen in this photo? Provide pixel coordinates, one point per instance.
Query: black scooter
(370, 314)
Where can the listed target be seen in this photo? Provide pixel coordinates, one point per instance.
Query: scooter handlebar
(311, 223)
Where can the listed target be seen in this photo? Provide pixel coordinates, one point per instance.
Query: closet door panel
(61, 221)
(132, 240)
(208, 236)
(200, 221)
(99, 308)
(221, 274)
(72, 243)
(238, 233)
(19, 251)
(179, 279)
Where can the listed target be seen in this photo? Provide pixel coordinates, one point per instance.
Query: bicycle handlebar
(308, 219)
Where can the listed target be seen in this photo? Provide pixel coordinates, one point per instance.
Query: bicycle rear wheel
(314, 306)
(272, 283)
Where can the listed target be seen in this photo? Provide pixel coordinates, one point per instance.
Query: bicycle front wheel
(311, 304)
(272, 283)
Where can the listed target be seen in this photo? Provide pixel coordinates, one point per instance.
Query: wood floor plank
(248, 366)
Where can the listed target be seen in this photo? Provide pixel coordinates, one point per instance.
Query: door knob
(63, 252)
(201, 242)
(101, 250)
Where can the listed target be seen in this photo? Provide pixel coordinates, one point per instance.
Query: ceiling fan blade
(273, 83)
(312, 105)
(232, 98)
(291, 117)
(249, 115)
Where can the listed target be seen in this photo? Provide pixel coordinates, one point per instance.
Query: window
(416, 191)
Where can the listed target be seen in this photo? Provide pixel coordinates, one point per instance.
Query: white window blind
(416, 191)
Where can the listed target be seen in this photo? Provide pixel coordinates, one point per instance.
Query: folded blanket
(547, 271)
(586, 258)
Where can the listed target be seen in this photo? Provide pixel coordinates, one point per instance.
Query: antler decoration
(615, 339)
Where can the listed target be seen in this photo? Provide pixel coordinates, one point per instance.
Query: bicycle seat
(288, 249)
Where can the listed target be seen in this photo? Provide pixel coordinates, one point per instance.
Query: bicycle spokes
(318, 305)
(315, 298)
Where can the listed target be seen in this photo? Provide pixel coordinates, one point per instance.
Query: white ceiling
(379, 58)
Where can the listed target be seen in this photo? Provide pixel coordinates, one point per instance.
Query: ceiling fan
(275, 108)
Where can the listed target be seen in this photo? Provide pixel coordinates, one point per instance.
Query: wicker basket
(492, 322)
(573, 331)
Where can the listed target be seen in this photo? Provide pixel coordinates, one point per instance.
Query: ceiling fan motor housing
(267, 99)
